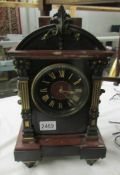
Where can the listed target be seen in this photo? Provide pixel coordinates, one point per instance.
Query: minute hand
(69, 97)
(71, 92)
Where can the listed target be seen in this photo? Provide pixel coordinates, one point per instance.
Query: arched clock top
(60, 34)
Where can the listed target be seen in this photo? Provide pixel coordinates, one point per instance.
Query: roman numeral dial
(52, 75)
(62, 73)
(60, 90)
(77, 82)
(45, 98)
(43, 90)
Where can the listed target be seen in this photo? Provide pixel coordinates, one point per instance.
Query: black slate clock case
(34, 55)
(73, 38)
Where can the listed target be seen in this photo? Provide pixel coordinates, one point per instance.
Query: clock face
(60, 90)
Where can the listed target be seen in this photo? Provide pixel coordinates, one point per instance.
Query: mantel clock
(59, 67)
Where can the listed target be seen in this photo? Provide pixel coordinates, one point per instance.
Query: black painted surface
(47, 151)
(58, 36)
(79, 121)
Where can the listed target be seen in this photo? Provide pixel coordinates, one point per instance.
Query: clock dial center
(60, 89)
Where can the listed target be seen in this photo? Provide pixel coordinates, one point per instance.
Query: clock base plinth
(59, 145)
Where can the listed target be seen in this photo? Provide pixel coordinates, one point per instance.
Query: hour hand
(71, 92)
(70, 95)
(71, 101)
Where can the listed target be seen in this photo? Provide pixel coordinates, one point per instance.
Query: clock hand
(69, 97)
(70, 100)
(71, 92)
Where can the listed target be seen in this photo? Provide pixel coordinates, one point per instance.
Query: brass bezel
(60, 65)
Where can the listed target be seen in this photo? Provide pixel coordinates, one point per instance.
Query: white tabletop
(10, 121)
